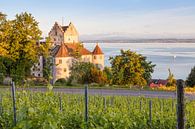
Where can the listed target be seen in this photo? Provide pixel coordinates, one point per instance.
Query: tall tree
(20, 39)
(191, 78)
(130, 68)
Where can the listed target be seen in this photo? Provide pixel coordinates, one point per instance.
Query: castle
(65, 49)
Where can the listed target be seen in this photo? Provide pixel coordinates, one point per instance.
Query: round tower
(98, 57)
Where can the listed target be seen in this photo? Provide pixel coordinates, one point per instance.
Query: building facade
(65, 47)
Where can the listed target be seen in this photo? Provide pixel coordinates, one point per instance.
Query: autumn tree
(171, 81)
(130, 68)
(191, 78)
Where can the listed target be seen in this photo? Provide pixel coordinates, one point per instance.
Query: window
(54, 39)
(60, 61)
(39, 75)
(65, 70)
(38, 64)
(94, 57)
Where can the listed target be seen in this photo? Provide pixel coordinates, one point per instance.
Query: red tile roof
(84, 51)
(97, 50)
(66, 49)
(62, 51)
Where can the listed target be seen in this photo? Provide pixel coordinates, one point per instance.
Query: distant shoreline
(142, 41)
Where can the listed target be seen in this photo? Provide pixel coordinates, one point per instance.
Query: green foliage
(130, 68)
(61, 82)
(36, 110)
(47, 68)
(86, 72)
(76, 52)
(148, 68)
(191, 78)
(171, 81)
(108, 72)
(19, 49)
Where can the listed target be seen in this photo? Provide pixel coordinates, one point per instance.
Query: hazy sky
(160, 18)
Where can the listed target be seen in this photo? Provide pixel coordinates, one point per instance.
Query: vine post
(180, 105)
(86, 105)
(14, 101)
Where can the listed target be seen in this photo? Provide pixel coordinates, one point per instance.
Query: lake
(179, 57)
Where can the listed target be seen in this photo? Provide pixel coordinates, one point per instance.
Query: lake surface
(179, 57)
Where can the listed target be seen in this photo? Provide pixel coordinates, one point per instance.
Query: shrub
(60, 82)
(171, 81)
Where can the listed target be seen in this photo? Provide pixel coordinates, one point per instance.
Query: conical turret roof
(97, 50)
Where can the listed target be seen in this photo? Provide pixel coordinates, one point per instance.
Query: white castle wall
(98, 60)
(86, 58)
(62, 67)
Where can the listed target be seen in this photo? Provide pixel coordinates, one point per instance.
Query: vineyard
(49, 110)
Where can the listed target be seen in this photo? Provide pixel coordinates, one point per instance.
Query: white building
(65, 44)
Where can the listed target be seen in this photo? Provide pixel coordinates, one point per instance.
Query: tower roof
(62, 51)
(97, 50)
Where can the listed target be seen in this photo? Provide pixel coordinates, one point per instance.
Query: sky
(125, 18)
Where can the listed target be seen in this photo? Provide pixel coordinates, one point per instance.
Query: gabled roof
(97, 50)
(58, 26)
(62, 51)
(63, 29)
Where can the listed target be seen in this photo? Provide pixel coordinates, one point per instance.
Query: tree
(20, 40)
(148, 68)
(86, 72)
(76, 52)
(130, 68)
(108, 72)
(5, 28)
(191, 78)
(171, 81)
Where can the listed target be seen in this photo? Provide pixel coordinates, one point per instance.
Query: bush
(171, 81)
(61, 82)
(37, 81)
(85, 72)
